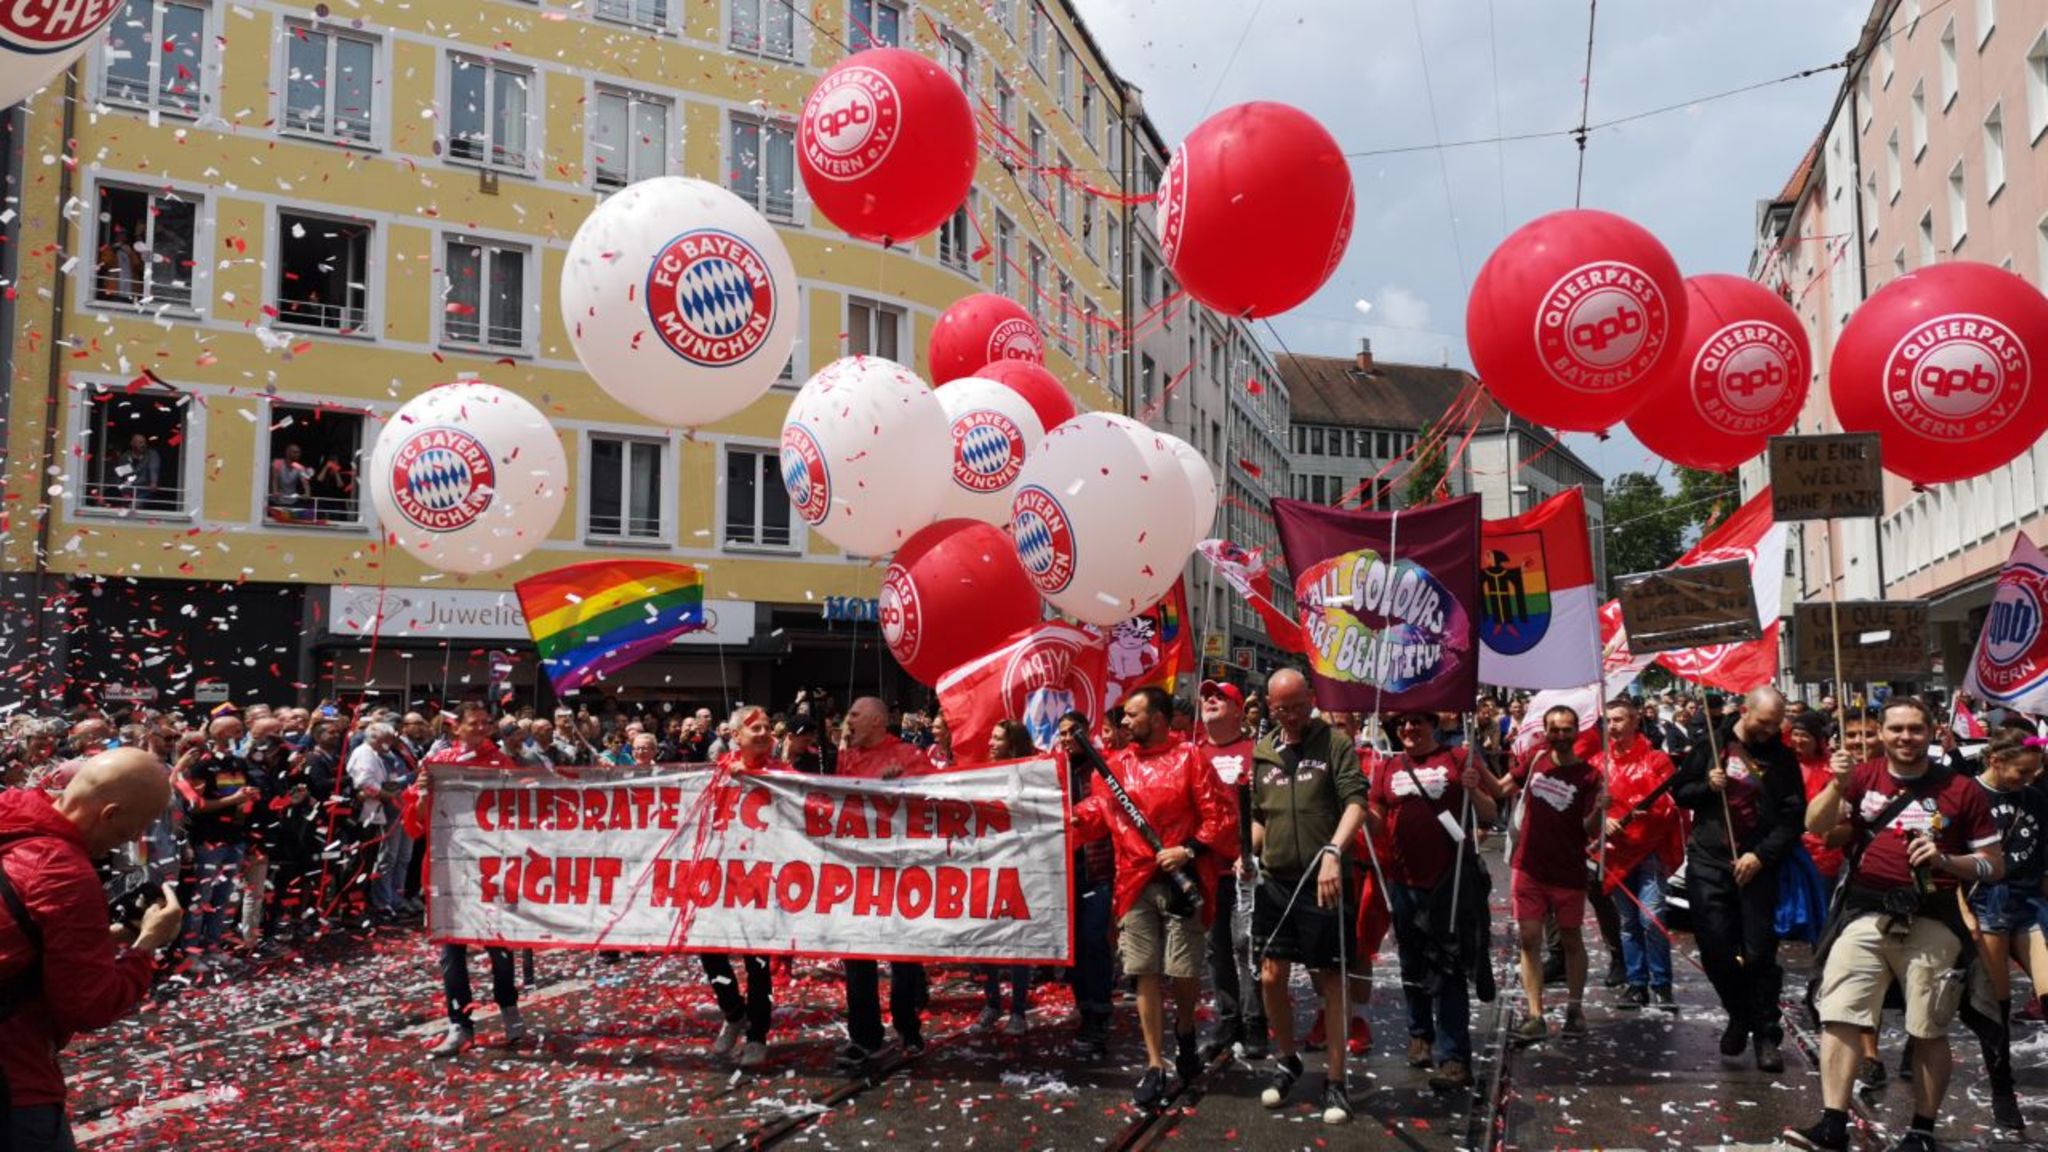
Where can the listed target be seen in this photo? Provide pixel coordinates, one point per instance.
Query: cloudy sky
(1427, 219)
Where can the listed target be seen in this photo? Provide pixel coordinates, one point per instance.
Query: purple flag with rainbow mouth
(1388, 602)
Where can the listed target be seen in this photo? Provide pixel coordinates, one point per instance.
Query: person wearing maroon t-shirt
(1901, 920)
(1746, 812)
(1418, 796)
(1560, 806)
(870, 752)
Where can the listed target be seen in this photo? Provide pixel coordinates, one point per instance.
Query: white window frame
(664, 535)
(1926, 233)
(1034, 150)
(1951, 83)
(1994, 153)
(758, 45)
(529, 299)
(373, 270)
(956, 238)
(1917, 118)
(1088, 238)
(268, 421)
(1063, 75)
(1958, 208)
(2037, 88)
(878, 312)
(799, 531)
(1892, 167)
(858, 39)
(1066, 306)
(1004, 13)
(380, 55)
(1034, 45)
(958, 53)
(204, 82)
(1064, 194)
(1113, 246)
(200, 274)
(633, 99)
(1004, 280)
(1034, 279)
(191, 444)
(1091, 106)
(660, 17)
(496, 157)
(1987, 21)
(765, 126)
(794, 371)
(1006, 100)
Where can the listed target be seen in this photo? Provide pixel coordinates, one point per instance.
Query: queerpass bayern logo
(1601, 326)
(1957, 377)
(1015, 339)
(1743, 379)
(851, 123)
(901, 618)
(2013, 657)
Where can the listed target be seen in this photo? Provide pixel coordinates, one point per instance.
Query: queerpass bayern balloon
(1944, 365)
(468, 477)
(1201, 482)
(864, 454)
(1038, 386)
(954, 592)
(680, 300)
(886, 144)
(1255, 210)
(979, 329)
(38, 41)
(994, 431)
(1737, 379)
(1572, 318)
(1102, 519)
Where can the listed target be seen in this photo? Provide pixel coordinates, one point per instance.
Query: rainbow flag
(590, 620)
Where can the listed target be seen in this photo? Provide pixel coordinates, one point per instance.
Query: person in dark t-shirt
(2008, 914)
(1560, 803)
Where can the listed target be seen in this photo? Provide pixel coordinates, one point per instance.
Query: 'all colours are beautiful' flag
(1539, 620)
(1388, 601)
(2010, 666)
(590, 620)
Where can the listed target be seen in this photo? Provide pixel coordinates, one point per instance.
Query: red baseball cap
(1228, 691)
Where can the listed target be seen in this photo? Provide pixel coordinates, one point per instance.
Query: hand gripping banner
(965, 866)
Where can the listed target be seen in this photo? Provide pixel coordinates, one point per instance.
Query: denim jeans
(1442, 1016)
(218, 868)
(1094, 962)
(1645, 949)
(387, 890)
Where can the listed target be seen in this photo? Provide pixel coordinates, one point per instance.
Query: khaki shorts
(1865, 960)
(1152, 942)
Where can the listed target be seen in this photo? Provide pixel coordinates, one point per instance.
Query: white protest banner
(966, 866)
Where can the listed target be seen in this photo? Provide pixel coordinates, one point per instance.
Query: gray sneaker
(455, 1041)
(752, 1054)
(515, 1026)
(728, 1039)
(1017, 1025)
(990, 1017)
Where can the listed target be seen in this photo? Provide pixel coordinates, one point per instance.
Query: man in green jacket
(1308, 803)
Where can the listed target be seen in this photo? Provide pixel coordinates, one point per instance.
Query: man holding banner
(748, 1016)
(870, 752)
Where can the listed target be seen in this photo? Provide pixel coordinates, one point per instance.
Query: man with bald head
(1748, 809)
(61, 971)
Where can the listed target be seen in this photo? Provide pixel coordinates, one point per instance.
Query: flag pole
(1834, 605)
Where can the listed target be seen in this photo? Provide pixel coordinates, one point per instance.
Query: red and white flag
(1248, 576)
(1040, 675)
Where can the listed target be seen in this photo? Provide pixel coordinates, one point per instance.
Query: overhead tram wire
(1221, 76)
(1500, 162)
(1585, 101)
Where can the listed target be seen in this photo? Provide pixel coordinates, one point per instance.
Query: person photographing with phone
(61, 970)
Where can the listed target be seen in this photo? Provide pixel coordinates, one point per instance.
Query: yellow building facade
(245, 231)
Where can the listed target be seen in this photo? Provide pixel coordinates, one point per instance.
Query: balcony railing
(126, 496)
(317, 314)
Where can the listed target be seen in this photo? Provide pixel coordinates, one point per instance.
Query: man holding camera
(1922, 829)
(61, 971)
(1175, 829)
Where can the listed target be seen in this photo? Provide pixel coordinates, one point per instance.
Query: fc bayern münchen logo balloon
(468, 477)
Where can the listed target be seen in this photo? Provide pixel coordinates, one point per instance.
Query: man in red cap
(1227, 749)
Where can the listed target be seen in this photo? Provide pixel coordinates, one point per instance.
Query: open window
(323, 272)
(135, 447)
(310, 474)
(143, 247)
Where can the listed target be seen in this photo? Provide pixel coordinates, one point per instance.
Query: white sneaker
(515, 1026)
(728, 1039)
(990, 1017)
(455, 1041)
(753, 1054)
(1018, 1024)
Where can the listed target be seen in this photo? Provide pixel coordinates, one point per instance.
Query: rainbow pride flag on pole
(590, 620)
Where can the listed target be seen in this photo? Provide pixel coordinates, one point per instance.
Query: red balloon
(1573, 317)
(1255, 210)
(1737, 379)
(1940, 363)
(1039, 388)
(955, 591)
(886, 145)
(981, 328)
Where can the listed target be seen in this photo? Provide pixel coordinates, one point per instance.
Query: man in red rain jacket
(1644, 846)
(60, 970)
(1196, 819)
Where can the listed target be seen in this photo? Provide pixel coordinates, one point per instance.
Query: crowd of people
(1215, 848)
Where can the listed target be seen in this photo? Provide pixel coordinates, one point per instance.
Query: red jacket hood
(28, 810)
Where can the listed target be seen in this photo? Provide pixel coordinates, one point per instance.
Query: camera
(133, 888)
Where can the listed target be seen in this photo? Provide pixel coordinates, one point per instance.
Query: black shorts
(1308, 933)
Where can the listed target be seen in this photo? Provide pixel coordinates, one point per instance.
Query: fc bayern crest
(442, 479)
(1957, 377)
(850, 123)
(1173, 204)
(1601, 327)
(988, 451)
(1744, 378)
(902, 620)
(1016, 339)
(710, 298)
(805, 475)
(42, 28)
(1045, 538)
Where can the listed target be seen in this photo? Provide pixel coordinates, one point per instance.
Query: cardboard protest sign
(1826, 477)
(1689, 607)
(1881, 640)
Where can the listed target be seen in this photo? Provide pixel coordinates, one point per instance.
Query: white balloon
(468, 477)
(994, 430)
(39, 41)
(1102, 518)
(680, 300)
(865, 456)
(1201, 482)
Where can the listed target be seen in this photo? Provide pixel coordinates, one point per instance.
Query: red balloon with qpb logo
(1255, 210)
(1738, 377)
(1573, 317)
(886, 145)
(954, 591)
(982, 329)
(1944, 365)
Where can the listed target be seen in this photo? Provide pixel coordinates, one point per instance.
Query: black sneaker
(1818, 1137)
(1734, 1039)
(1663, 994)
(1617, 973)
(1633, 997)
(1091, 1041)
(1870, 1075)
(913, 1044)
(1914, 1141)
(1336, 1103)
(1222, 1040)
(1769, 1058)
(2006, 1116)
(1187, 1060)
(1151, 1090)
(852, 1057)
(1256, 1044)
(1286, 1070)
